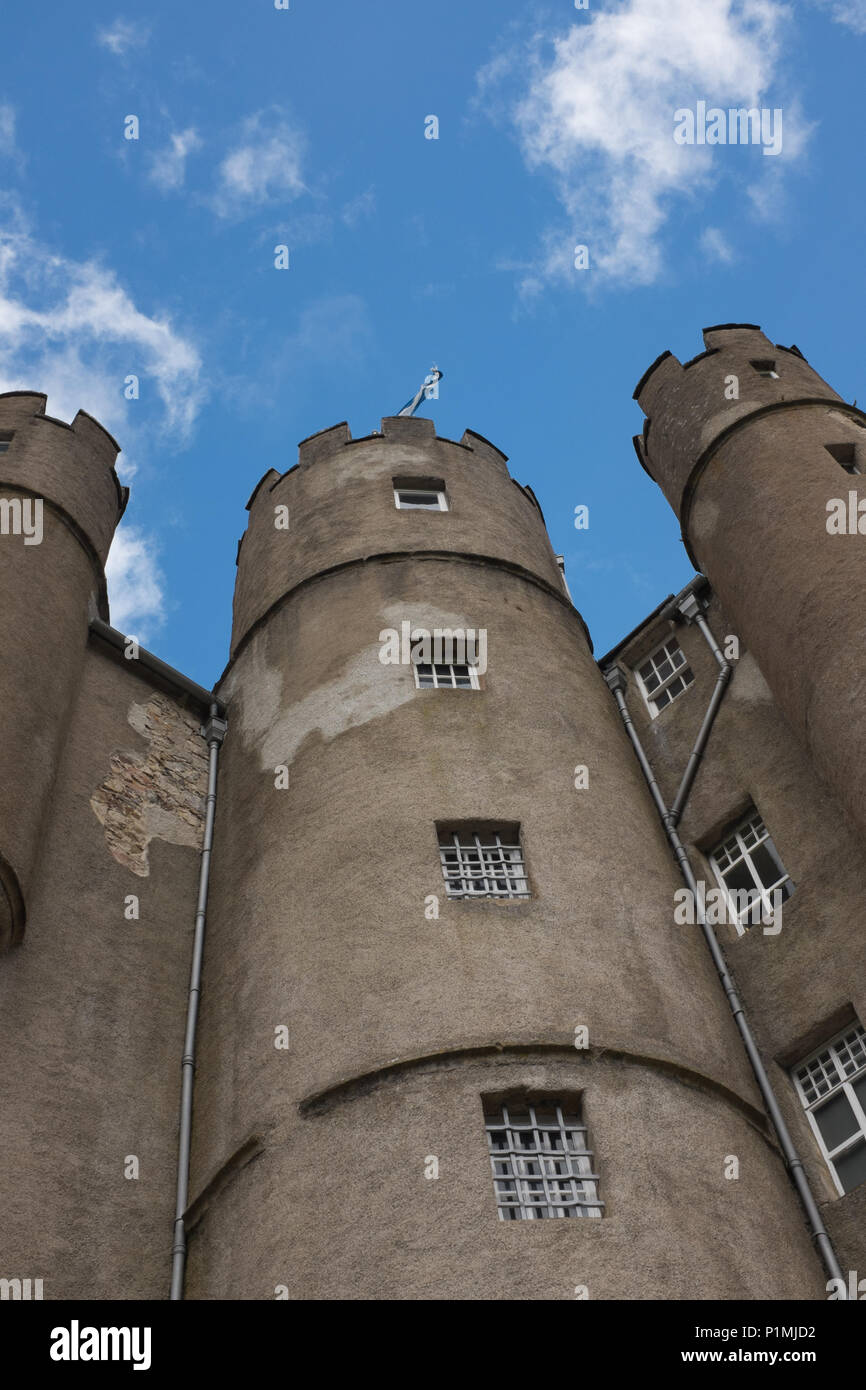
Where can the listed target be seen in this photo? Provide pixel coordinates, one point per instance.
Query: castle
(536, 977)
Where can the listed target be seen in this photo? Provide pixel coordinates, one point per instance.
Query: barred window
(747, 862)
(664, 676)
(483, 863)
(832, 1087)
(541, 1161)
(453, 676)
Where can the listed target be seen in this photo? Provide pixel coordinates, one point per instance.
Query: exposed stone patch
(357, 696)
(160, 796)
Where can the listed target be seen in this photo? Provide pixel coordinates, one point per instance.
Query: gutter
(690, 609)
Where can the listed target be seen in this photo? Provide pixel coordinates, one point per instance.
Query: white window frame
(401, 493)
(541, 1169)
(662, 650)
(497, 868)
(745, 843)
(836, 1074)
(448, 682)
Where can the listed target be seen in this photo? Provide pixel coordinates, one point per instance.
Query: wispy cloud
(168, 165)
(596, 114)
(122, 36)
(716, 246)
(850, 12)
(8, 146)
(136, 585)
(359, 209)
(70, 329)
(263, 167)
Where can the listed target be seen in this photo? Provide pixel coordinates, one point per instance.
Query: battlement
(691, 406)
(412, 430)
(71, 466)
(336, 506)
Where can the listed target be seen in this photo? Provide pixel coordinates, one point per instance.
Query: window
(748, 862)
(664, 676)
(542, 1165)
(764, 367)
(832, 1086)
(846, 455)
(456, 676)
(483, 862)
(6, 437)
(420, 494)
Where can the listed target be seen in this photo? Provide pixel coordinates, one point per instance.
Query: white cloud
(136, 586)
(122, 36)
(850, 12)
(168, 166)
(716, 246)
(69, 329)
(359, 209)
(263, 167)
(598, 116)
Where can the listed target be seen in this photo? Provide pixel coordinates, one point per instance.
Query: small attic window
(764, 367)
(420, 494)
(6, 437)
(846, 456)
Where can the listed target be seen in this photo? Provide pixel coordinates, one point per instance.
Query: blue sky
(306, 127)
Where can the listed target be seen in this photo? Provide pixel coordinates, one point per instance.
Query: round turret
(441, 929)
(60, 501)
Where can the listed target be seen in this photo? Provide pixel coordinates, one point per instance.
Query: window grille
(541, 1161)
(453, 676)
(488, 865)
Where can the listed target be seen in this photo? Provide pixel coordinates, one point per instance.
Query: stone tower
(58, 483)
(359, 1020)
(757, 454)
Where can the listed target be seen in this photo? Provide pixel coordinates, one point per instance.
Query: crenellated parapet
(693, 408)
(70, 466)
(755, 453)
(336, 507)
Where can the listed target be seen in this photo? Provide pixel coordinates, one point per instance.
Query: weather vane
(429, 389)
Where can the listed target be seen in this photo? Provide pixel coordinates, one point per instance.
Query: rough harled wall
(751, 478)
(92, 1003)
(309, 1161)
(801, 985)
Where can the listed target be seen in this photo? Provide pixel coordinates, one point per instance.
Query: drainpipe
(692, 611)
(214, 732)
(616, 682)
